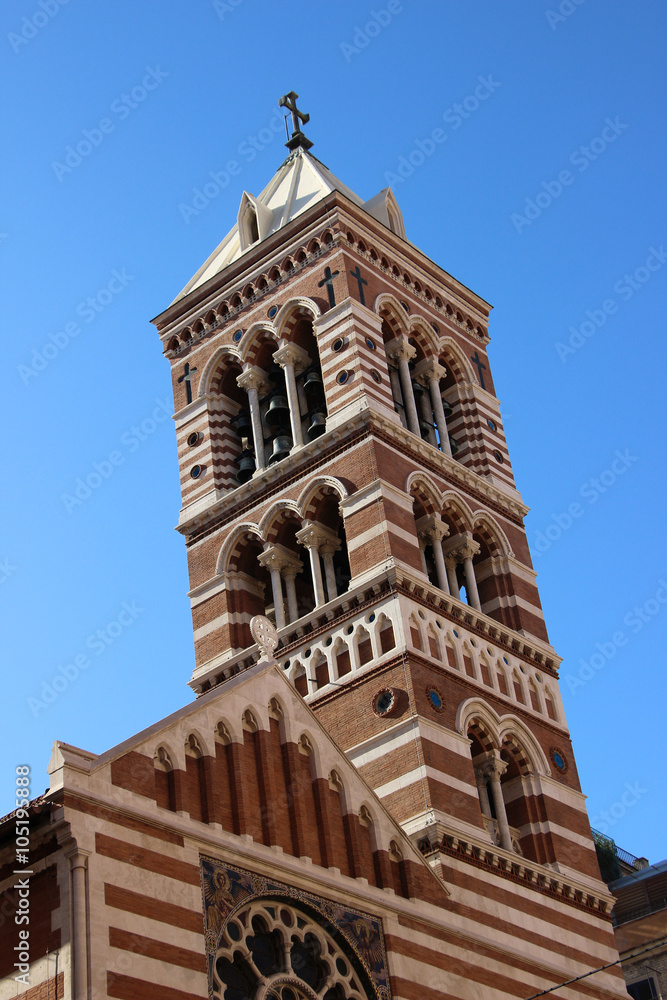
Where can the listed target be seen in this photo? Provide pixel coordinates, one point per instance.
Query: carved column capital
(428, 371)
(432, 528)
(272, 559)
(315, 536)
(252, 378)
(493, 768)
(400, 349)
(461, 547)
(292, 354)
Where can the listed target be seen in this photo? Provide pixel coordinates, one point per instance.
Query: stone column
(469, 570)
(254, 381)
(327, 550)
(293, 360)
(315, 538)
(451, 564)
(274, 561)
(78, 860)
(431, 372)
(401, 351)
(427, 416)
(433, 529)
(309, 536)
(422, 552)
(289, 574)
(463, 549)
(494, 769)
(483, 792)
(397, 394)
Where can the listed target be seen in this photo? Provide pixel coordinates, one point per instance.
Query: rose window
(270, 951)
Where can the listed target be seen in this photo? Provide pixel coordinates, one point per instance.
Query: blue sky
(544, 197)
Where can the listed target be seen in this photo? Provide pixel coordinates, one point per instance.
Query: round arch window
(272, 950)
(384, 702)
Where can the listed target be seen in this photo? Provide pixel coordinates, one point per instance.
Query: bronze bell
(282, 445)
(246, 464)
(454, 445)
(243, 424)
(313, 383)
(447, 409)
(278, 412)
(417, 390)
(425, 429)
(318, 426)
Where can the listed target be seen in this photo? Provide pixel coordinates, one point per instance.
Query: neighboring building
(640, 918)
(387, 803)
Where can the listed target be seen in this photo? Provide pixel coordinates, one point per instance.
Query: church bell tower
(345, 473)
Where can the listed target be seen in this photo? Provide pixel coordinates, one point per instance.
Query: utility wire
(660, 944)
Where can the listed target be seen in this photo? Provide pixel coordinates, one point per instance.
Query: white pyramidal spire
(300, 182)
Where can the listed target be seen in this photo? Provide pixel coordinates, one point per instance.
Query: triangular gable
(218, 728)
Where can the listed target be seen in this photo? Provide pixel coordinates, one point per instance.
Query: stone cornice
(540, 653)
(451, 470)
(529, 874)
(229, 505)
(351, 604)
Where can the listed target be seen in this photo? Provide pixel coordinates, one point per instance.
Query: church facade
(373, 793)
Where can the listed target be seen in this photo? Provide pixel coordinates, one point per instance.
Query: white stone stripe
(384, 743)
(229, 618)
(366, 536)
(510, 602)
(419, 774)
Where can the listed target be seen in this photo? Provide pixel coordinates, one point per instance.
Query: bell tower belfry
(345, 473)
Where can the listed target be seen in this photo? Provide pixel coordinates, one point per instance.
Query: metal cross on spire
(298, 119)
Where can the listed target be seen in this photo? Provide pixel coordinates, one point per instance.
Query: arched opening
(300, 680)
(252, 594)
(165, 780)
(234, 439)
(312, 408)
(195, 766)
(387, 639)
(250, 225)
(295, 569)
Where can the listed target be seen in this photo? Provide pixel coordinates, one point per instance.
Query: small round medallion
(559, 759)
(435, 698)
(384, 702)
